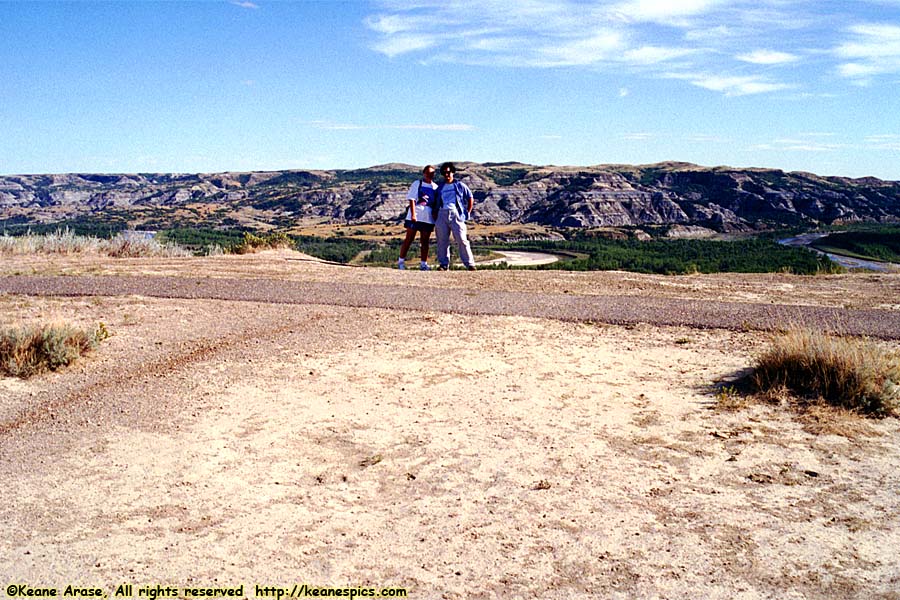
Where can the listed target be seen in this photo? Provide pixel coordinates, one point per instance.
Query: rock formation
(720, 198)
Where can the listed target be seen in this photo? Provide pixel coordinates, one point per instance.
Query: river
(805, 239)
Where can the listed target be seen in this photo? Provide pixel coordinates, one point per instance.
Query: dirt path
(622, 310)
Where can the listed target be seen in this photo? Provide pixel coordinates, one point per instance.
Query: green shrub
(30, 350)
(677, 257)
(255, 243)
(852, 373)
(337, 249)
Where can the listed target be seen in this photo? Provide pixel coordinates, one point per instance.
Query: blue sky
(259, 85)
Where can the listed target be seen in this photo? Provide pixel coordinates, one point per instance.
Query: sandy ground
(226, 443)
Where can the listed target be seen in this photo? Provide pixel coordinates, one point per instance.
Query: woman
(418, 217)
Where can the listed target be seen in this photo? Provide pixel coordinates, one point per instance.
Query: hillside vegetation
(877, 244)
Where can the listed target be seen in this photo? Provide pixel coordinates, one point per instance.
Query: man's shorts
(419, 226)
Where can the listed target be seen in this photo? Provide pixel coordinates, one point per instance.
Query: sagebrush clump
(852, 373)
(29, 350)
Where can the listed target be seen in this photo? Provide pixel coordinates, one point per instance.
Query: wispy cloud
(768, 57)
(824, 142)
(704, 138)
(412, 126)
(637, 136)
(886, 141)
(731, 85)
(651, 55)
(404, 43)
(664, 11)
(738, 47)
(244, 3)
(802, 142)
(872, 49)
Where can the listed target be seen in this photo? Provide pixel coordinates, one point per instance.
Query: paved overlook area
(619, 310)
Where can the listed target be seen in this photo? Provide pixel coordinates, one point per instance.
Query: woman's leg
(424, 241)
(407, 242)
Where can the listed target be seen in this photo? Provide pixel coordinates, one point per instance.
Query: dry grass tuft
(66, 242)
(30, 350)
(851, 373)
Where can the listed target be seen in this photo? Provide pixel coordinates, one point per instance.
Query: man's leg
(442, 235)
(458, 226)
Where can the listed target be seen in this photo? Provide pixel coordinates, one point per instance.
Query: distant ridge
(719, 198)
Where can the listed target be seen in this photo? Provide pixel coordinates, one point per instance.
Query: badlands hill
(720, 198)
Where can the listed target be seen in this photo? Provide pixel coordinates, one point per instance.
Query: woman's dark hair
(448, 166)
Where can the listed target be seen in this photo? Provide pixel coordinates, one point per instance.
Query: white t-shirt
(421, 197)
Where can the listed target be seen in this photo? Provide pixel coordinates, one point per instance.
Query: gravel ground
(310, 434)
(620, 310)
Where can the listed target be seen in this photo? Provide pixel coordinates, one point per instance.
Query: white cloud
(802, 142)
(645, 38)
(434, 127)
(402, 44)
(886, 141)
(648, 55)
(873, 49)
(245, 4)
(599, 47)
(704, 138)
(413, 126)
(709, 34)
(623, 92)
(805, 145)
(768, 57)
(664, 11)
(733, 85)
(638, 136)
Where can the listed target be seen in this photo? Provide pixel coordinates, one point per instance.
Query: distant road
(516, 258)
(618, 310)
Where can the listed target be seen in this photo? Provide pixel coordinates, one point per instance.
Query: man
(451, 209)
(418, 217)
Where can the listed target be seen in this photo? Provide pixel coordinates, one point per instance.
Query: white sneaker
(424, 267)
(401, 264)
